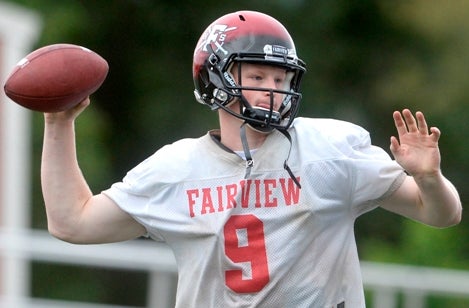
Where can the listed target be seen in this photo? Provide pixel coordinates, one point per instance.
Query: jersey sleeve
(375, 176)
(147, 186)
(372, 174)
(132, 194)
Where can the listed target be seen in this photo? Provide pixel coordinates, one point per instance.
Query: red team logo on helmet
(215, 36)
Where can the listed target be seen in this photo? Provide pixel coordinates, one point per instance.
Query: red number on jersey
(253, 251)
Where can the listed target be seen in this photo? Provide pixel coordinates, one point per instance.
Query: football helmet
(246, 37)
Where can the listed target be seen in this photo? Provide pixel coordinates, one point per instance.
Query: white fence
(384, 281)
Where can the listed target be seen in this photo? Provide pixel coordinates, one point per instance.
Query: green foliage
(420, 245)
(88, 284)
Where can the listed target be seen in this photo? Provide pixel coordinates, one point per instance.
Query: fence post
(19, 29)
(161, 291)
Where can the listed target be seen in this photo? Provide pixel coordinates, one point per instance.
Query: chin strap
(247, 152)
(250, 161)
(285, 163)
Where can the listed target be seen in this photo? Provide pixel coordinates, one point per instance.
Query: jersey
(263, 241)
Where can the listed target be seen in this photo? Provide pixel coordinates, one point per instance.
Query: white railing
(415, 283)
(155, 258)
(384, 281)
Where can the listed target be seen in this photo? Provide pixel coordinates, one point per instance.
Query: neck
(230, 127)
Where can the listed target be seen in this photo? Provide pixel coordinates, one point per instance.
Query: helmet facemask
(266, 119)
(228, 90)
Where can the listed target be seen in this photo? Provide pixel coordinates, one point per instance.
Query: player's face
(263, 76)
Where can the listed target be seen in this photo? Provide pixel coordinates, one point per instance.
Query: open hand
(416, 148)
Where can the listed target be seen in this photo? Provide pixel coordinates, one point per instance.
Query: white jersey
(262, 241)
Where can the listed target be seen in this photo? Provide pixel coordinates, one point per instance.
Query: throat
(233, 140)
(242, 154)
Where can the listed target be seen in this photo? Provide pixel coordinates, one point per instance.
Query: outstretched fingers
(412, 125)
(399, 123)
(422, 123)
(394, 146)
(406, 122)
(435, 134)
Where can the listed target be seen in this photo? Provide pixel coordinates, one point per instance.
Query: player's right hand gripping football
(68, 115)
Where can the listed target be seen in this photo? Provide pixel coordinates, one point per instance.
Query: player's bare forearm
(433, 201)
(64, 189)
(439, 200)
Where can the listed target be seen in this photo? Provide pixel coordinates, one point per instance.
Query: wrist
(58, 119)
(429, 179)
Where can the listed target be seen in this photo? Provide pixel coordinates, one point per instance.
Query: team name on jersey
(248, 193)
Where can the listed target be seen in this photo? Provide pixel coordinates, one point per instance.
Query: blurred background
(365, 59)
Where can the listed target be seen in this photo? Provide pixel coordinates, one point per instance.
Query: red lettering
(220, 198)
(257, 184)
(269, 184)
(291, 193)
(207, 203)
(267, 193)
(231, 192)
(245, 189)
(191, 194)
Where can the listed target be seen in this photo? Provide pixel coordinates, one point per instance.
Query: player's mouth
(264, 106)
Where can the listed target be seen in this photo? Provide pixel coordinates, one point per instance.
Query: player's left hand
(416, 148)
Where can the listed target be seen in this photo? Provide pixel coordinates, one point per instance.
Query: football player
(260, 212)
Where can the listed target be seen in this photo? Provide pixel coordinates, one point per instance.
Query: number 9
(254, 252)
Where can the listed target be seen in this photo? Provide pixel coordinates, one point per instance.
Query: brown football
(56, 77)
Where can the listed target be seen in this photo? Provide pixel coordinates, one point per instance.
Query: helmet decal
(280, 50)
(215, 34)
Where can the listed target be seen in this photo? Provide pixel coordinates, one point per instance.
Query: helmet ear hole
(232, 74)
(203, 78)
(286, 106)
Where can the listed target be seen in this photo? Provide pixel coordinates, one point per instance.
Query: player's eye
(279, 80)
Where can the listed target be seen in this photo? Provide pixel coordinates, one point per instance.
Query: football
(56, 77)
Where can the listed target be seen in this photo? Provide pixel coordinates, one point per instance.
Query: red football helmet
(253, 37)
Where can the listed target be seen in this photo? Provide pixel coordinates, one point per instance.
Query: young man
(259, 213)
